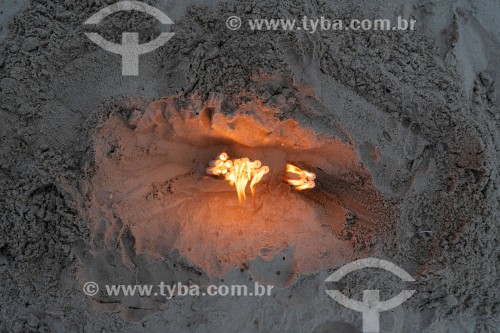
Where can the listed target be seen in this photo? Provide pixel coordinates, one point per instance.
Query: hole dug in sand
(151, 182)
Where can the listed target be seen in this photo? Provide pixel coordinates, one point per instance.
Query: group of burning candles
(239, 172)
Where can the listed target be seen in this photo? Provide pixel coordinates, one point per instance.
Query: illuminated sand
(151, 179)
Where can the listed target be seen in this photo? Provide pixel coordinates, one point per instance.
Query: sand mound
(417, 113)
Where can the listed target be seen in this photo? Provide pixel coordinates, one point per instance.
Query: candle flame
(299, 178)
(238, 173)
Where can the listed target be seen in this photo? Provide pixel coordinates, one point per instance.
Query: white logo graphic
(233, 22)
(130, 49)
(371, 305)
(90, 288)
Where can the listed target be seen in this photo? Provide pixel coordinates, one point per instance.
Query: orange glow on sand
(156, 186)
(238, 172)
(299, 178)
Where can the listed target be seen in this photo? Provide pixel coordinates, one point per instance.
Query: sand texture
(102, 176)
